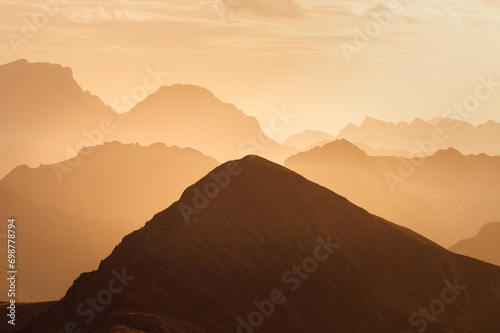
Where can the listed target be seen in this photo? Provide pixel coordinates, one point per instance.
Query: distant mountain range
(446, 196)
(43, 107)
(53, 118)
(191, 116)
(54, 245)
(426, 137)
(268, 250)
(307, 139)
(484, 246)
(71, 214)
(415, 139)
(111, 179)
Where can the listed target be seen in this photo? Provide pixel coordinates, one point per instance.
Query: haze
(250, 166)
(276, 54)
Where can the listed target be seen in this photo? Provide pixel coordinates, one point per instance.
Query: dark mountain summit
(254, 247)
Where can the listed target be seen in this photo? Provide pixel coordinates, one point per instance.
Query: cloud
(266, 8)
(411, 13)
(100, 14)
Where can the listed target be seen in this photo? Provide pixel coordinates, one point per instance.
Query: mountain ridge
(241, 247)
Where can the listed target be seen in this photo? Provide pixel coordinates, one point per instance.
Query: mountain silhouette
(191, 116)
(53, 245)
(445, 197)
(308, 138)
(346, 169)
(20, 153)
(426, 137)
(43, 106)
(253, 246)
(484, 246)
(366, 148)
(109, 191)
(113, 180)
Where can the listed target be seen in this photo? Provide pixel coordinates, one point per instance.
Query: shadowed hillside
(270, 234)
(427, 195)
(53, 245)
(113, 180)
(484, 246)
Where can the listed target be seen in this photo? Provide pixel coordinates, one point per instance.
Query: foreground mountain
(426, 137)
(484, 246)
(53, 246)
(25, 312)
(191, 116)
(445, 197)
(43, 106)
(110, 180)
(255, 247)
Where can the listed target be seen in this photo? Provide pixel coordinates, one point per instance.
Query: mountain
(25, 312)
(18, 153)
(484, 246)
(381, 151)
(255, 247)
(191, 116)
(92, 200)
(111, 179)
(463, 190)
(53, 246)
(307, 138)
(45, 109)
(426, 137)
(445, 197)
(43, 106)
(366, 148)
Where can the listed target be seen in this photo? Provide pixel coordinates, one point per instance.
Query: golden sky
(418, 59)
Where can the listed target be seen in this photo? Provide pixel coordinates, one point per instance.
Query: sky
(326, 62)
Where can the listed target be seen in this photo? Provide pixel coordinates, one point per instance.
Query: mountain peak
(492, 228)
(240, 230)
(185, 90)
(23, 67)
(344, 146)
(448, 153)
(418, 122)
(370, 121)
(16, 63)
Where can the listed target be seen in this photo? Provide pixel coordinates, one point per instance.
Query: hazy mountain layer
(256, 247)
(445, 197)
(484, 246)
(113, 180)
(425, 138)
